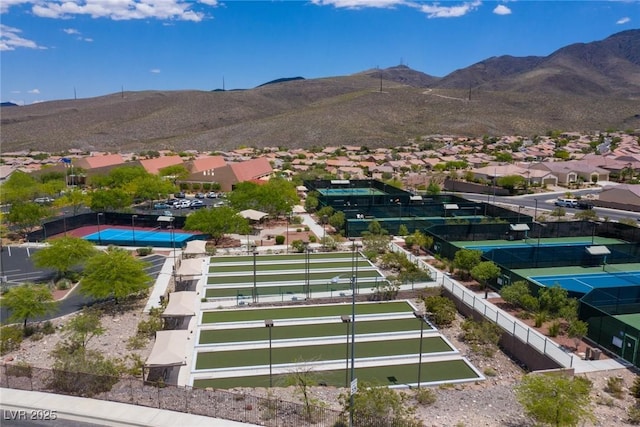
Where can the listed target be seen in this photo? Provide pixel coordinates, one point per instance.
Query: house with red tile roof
(93, 163)
(206, 163)
(153, 166)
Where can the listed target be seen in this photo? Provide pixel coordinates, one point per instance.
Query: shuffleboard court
(388, 375)
(320, 352)
(335, 328)
(301, 312)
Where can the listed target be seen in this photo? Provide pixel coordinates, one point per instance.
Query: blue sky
(51, 49)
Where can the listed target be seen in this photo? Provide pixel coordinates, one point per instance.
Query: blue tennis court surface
(156, 237)
(584, 283)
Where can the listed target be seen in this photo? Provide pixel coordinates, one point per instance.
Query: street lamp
(535, 210)
(133, 228)
(307, 259)
(99, 235)
(269, 325)
(346, 320)
(173, 245)
(420, 316)
(324, 232)
(288, 221)
(353, 343)
(255, 288)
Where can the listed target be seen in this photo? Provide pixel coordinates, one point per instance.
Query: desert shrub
(633, 414)
(554, 329)
(490, 372)
(279, 240)
(426, 396)
(614, 387)
(440, 310)
(483, 337)
(634, 390)
(539, 319)
(148, 328)
(63, 284)
(148, 250)
(136, 342)
(10, 338)
(48, 328)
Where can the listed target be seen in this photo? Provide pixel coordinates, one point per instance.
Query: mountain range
(582, 87)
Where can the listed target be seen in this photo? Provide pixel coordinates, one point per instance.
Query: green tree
(19, 187)
(465, 259)
(81, 328)
(485, 272)
(556, 400)
(337, 220)
(217, 222)
(553, 299)
(577, 330)
(110, 199)
(63, 254)
(75, 199)
(515, 293)
(26, 215)
(175, 172)
(114, 273)
(150, 187)
(403, 231)
(433, 189)
(511, 182)
(27, 301)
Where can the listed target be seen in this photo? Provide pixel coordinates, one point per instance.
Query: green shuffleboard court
(388, 375)
(335, 328)
(243, 259)
(288, 290)
(306, 311)
(270, 266)
(317, 352)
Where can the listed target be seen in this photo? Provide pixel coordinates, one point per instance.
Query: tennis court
(584, 283)
(487, 245)
(350, 192)
(141, 237)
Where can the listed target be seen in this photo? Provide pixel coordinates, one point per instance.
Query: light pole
(173, 245)
(255, 288)
(346, 320)
(99, 235)
(420, 316)
(287, 241)
(535, 210)
(133, 228)
(306, 270)
(353, 345)
(269, 325)
(324, 232)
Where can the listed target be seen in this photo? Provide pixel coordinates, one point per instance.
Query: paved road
(19, 268)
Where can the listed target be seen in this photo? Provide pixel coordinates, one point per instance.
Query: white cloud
(6, 4)
(502, 10)
(71, 31)
(623, 20)
(436, 11)
(34, 91)
(155, 70)
(181, 10)
(88, 39)
(10, 39)
(359, 4)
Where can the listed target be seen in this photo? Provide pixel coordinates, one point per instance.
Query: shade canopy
(196, 247)
(181, 304)
(253, 214)
(519, 227)
(170, 349)
(598, 250)
(191, 267)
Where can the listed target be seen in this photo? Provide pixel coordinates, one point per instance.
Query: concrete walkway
(98, 412)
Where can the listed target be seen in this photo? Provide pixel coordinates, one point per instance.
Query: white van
(567, 203)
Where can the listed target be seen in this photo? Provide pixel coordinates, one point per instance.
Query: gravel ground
(485, 403)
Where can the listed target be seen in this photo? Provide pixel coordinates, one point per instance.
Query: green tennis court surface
(487, 245)
(388, 375)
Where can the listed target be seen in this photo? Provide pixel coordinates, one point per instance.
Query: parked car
(43, 200)
(584, 204)
(212, 195)
(566, 203)
(180, 195)
(196, 204)
(199, 195)
(161, 206)
(182, 204)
